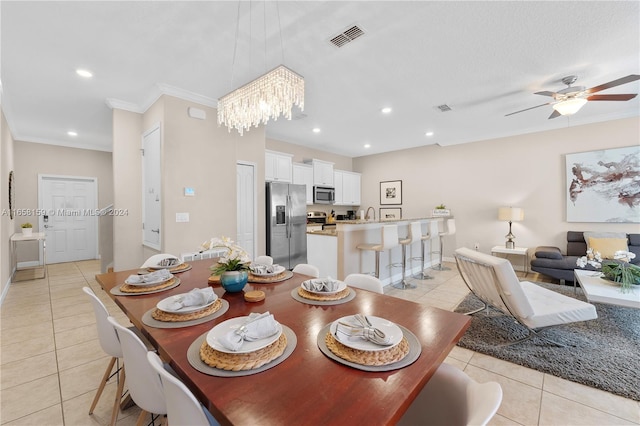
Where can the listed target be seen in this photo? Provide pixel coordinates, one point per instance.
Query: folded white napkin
(361, 328)
(155, 276)
(157, 260)
(261, 269)
(196, 297)
(256, 327)
(321, 284)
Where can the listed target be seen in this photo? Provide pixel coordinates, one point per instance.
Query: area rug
(603, 353)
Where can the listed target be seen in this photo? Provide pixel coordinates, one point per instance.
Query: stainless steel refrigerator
(286, 223)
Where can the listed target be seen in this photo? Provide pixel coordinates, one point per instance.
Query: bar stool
(415, 234)
(389, 240)
(451, 229)
(432, 232)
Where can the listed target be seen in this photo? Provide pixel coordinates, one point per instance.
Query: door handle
(157, 231)
(48, 226)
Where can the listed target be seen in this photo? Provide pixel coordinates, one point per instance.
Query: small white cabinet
(322, 172)
(347, 186)
(278, 167)
(303, 175)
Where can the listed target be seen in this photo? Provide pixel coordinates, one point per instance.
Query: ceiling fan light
(570, 106)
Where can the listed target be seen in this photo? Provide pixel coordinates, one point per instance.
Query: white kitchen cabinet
(303, 175)
(278, 166)
(347, 185)
(322, 251)
(322, 172)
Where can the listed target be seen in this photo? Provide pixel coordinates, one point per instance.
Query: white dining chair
(263, 260)
(111, 346)
(182, 407)
(306, 269)
(452, 398)
(365, 282)
(144, 383)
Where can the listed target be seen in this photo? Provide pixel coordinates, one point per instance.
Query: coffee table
(597, 289)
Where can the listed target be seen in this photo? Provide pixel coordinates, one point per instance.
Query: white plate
(341, 286)
(164, 304)
(390, 329)
(278, 269)
(220, 330)
(149, 283)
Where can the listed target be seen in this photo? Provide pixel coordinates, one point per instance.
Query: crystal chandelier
(268, 96)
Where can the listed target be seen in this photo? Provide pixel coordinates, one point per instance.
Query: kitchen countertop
(360, 222)
(330, 232)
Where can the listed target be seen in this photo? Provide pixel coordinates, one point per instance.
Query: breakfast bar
(308, 387)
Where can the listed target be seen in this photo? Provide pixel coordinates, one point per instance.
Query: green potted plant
(27, 229)
(233, 266)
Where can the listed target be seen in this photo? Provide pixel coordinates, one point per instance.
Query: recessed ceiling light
(367, 145)
(316, 130)
(72, 133)
(386, 110)
(429, 134)
(84, 73)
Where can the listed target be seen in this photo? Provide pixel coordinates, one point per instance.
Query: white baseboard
(29, 264)
(5, 289)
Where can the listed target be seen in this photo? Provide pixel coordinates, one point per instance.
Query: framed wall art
(603, 186)
(391, 192)
(390, 213)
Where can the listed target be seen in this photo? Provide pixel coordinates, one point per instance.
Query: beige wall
(6, 223)
(195, 153)
(474, 179)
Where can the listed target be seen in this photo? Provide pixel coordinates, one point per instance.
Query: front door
(69, 217)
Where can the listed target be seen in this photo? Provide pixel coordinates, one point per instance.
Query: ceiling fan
(569, 101)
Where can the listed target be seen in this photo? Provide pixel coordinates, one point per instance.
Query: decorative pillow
(591, 234)
(608, 246)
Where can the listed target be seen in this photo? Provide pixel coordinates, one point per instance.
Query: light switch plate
(182, 217)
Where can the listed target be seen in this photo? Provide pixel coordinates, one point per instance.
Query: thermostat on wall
(189, 192)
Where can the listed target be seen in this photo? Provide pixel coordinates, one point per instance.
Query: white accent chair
(182, 407)
(111, 346)
(452, 398)
(144, 384)
(494, 282)
(263, 260)
(306, 269)
(365, 282)
(451, 230)
(388, 240)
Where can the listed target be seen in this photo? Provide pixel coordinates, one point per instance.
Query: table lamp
(510, 214)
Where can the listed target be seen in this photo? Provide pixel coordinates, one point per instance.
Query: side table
(19, 237)
(517, 251)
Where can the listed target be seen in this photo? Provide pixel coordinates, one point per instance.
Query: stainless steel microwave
(324, 195)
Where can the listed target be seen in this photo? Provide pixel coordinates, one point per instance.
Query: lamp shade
(510, 214)
(570, 106)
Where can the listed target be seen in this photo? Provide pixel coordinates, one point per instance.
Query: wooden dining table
(308, 387)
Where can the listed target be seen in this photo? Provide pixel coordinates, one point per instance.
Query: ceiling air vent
(347, 36)
(444, 108)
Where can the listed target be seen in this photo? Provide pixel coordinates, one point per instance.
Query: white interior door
(246, 208)
(151, 190)
(69, 217)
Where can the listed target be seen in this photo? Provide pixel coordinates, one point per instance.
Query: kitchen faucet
(367, 215)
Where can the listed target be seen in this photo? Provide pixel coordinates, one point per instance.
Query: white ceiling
(483, 59)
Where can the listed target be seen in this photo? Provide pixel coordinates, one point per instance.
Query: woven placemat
(242, 361)
(323, 301)
(175, 270)
(285, 275)
(147, 319)
(161, 315)
(127, 288)
(323, 297)
(193, 356)
(413, 353)
(117, 291)
(372, 358)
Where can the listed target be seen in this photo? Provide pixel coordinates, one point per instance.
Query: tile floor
(51, 361)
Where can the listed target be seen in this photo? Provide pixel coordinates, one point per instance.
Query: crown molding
(158, 90)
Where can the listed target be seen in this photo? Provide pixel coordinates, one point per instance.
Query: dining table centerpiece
(232, 266)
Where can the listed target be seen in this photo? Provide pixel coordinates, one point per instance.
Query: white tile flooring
(51, 361)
